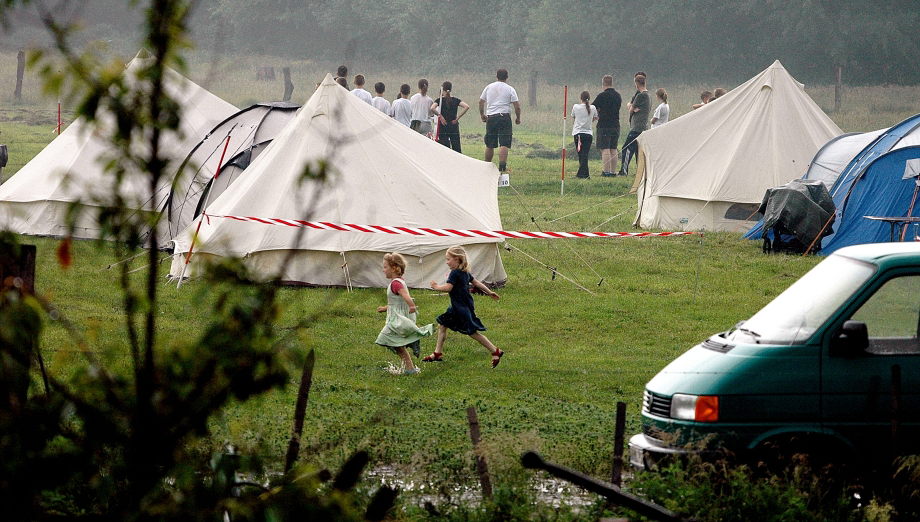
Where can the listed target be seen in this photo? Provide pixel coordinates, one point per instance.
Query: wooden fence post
(481, 465)
(838, 88)
(618, 436)
(895, 406)
(306, 381)
(532, 89)
(288, 84)
(20, 71)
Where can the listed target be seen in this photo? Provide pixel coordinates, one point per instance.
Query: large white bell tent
(234, 144)
(380, 173)
(709, 169)
(36, 200)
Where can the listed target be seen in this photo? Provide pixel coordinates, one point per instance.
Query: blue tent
(886, 187)
(858, 193)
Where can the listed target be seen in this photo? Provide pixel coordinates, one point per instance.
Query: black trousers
(583, 146)
(630, 150)
(449, 136)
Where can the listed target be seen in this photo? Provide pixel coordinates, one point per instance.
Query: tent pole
(204, 209)
(565, 107)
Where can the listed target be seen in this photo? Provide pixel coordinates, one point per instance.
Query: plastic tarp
(802, 207)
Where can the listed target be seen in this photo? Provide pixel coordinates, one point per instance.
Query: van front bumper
(646, 452)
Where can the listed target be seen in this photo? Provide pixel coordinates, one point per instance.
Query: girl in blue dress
(461, 314)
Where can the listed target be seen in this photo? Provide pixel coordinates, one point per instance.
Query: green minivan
(834, 359)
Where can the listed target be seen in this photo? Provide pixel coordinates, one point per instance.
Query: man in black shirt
(639, 109)
(608, 125)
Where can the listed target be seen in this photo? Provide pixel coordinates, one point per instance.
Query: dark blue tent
(886, 187)
(855, 196)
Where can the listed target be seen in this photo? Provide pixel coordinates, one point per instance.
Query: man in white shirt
(359, 90)
(401, 110)
(495, 110)
(421, 109)
(380, 103)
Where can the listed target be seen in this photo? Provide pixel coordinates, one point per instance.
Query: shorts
(420, 126)
(607, 137)
(498, 131)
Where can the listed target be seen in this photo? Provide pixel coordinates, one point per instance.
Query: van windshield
(796, 313)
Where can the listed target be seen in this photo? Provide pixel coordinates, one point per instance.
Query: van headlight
(699, 408)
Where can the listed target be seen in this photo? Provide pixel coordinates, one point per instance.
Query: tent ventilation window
(744, 212)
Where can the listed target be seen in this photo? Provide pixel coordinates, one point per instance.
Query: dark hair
(379, 87)
(501, 74)
(640, 80)
(718, 93)
(586, 97)
(640, 73)
(342, 81)
(343, 71)
(447, 86)
(663, 94)
(404, 89)
(422, 84)
(359, 80)
(608, 80)
(705, 96)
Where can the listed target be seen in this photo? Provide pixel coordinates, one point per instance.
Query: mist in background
(677, 41)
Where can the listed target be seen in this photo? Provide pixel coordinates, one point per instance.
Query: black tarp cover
(801, 207)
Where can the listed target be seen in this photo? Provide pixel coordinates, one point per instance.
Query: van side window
(892, 316)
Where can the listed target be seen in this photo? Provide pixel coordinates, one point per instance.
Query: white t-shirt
(381, 104)
(498, 97)
(362, 94)
(661, 112)
(401, 111)
(421, 106)
(583, 120)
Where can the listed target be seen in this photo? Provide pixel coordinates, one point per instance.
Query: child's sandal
(497, 358)
(434, 357)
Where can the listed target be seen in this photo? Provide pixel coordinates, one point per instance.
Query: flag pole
(565, 107)
(204, 208)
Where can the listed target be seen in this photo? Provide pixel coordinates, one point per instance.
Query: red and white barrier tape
(444, 232)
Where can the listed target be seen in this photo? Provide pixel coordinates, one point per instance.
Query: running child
(461, 315)
(400, 331)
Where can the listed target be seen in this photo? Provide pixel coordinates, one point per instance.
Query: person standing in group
(342, 73)
(379, 102)
(608, 105)
(359, 90)
(495, 110)
(401, 110)
(446, 107)
(638, 108)
(461, 314)
(400, 331)
(663, 111)
(584, 115)
(718, 93)
(705, 97)
(421, 109)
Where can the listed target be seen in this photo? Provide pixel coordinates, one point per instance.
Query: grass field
(571, 353)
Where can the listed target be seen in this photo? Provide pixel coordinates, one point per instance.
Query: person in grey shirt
(638, 109)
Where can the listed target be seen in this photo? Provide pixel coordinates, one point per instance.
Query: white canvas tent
(36, 199)
(709, 169)
(382, 173)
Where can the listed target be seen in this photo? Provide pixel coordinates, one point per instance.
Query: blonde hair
(396, 261)
(460, 253)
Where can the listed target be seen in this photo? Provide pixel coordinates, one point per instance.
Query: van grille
(657, 405)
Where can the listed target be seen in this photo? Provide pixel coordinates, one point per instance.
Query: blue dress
(461, 314)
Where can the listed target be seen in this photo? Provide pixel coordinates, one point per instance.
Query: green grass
(571, 353)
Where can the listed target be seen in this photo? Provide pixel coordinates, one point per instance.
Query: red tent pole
(565, 108)
(191, 247)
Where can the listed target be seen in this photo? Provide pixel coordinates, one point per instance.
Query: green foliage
(718, 490)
